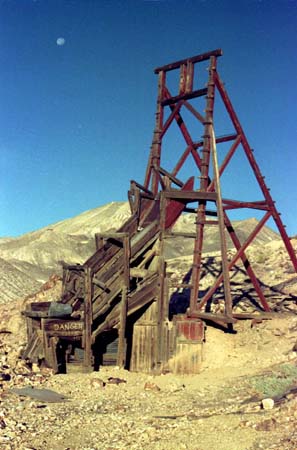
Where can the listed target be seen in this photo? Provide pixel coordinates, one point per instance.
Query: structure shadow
(242, 291)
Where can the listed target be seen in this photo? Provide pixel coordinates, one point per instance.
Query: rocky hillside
(29, 260)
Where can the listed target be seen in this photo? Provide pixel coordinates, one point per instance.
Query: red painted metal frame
(157, 178)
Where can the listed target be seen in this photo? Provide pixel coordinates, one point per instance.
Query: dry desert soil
(221, 408)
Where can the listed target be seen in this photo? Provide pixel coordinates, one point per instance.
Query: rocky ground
(222, 408)
(245, 397)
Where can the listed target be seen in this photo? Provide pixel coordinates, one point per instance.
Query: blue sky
(76, 120)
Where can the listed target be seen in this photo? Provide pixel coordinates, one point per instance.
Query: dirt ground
(218, 409)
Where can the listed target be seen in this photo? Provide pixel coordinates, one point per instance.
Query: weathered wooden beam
(103, 303)
(136, 272)
(100, 284)
(171, 177)
(188, 96)
(142, 188)
(191, 195)
(71, 266)
(146, 292)
(256, 315)
(213, 316)
(170, 234)
(99, 241)
(88, 319)
(52, 352)
(122, 346)
(192, 59)
(99, 258)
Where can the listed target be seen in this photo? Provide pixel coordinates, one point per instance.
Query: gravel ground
(218, 409)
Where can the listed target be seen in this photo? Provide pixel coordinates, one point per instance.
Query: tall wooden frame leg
(88, 320)
(122, 346)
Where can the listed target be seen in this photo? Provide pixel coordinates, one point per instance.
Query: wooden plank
(38, 306)
(34, 350)
(221, 223)
(171, 177)
(35, 314)
(163, 327)
(29, 326)
(256, 315)
(122, 345)
(143, 354)
(99, 240)
(99, 258)
(172, 234)
(143, 295)
(103, 304)
(100, 284)
(147, 259)
(140, 273)
(53, 341)
(213, 316)
(143, 358)
(191, 196)
(188, 96)
(192, 59)
(140, 240)
(142, 188)
(71, 267)
(117, 236)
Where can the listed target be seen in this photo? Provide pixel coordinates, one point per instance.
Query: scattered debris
(97, 383)
(267, 403)
(114, 380)
(149, 386)
(42, 395)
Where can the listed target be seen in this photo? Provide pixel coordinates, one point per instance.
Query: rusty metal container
(189, 329)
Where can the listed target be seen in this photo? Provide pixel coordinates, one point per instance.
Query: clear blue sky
(76, 120)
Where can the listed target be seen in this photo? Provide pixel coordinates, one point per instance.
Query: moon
(60, 41)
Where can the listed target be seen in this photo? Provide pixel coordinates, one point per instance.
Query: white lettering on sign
(68, 326)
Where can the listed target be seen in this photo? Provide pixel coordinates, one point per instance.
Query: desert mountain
(28, 261)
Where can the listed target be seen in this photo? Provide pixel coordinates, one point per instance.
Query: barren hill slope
(35, 256)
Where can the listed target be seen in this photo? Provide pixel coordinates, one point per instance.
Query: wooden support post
(220, 211)
(99, 241)
(53, 341)
(46, 345)
(162, 275)
(163, 334)
(122, 345)
(204, 181)
(88, 319)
